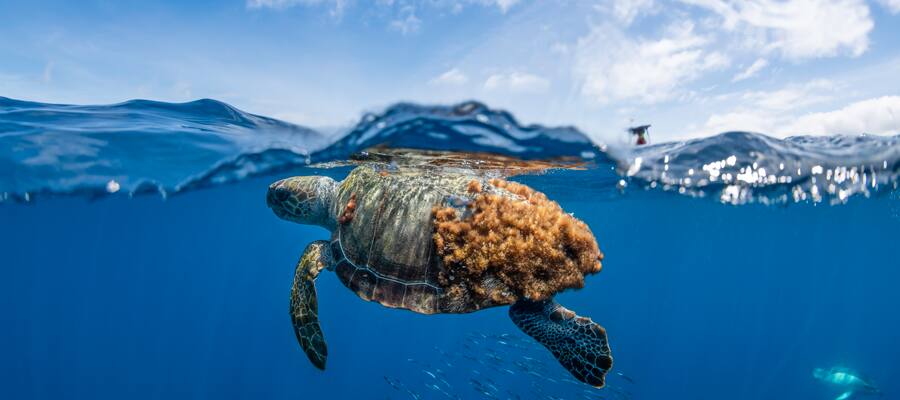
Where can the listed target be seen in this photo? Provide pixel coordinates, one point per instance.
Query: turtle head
(304, 200)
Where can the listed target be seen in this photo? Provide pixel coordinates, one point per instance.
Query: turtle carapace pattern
(386, 247)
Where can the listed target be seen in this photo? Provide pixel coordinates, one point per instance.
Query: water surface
(140, 260)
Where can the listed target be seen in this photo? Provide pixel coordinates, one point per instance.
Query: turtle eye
(282, 194)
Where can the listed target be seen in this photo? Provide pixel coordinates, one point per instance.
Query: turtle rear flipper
(305, 306)
(578, 343)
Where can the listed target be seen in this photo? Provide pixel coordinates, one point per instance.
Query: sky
(691, 68)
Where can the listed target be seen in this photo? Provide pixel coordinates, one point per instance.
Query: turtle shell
(383, 245)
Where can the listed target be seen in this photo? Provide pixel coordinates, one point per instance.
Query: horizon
(691, 68)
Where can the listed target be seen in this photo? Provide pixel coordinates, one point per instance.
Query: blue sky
(689, 67)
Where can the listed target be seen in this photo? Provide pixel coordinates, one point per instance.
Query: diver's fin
(846, 395)
(578, 343)
(305, 307)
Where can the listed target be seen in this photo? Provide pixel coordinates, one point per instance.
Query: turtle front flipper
(578, 343)
(305, 307)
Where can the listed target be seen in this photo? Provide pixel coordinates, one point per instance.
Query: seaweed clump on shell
(526, 241)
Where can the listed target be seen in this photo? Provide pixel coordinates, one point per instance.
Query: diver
(848, 381)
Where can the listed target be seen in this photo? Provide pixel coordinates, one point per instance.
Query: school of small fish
(493, 366)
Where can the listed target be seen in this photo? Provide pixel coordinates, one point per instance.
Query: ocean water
(139, 260)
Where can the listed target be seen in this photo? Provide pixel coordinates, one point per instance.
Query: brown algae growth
(525, 240)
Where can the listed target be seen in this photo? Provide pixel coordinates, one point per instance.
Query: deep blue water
(732, 289)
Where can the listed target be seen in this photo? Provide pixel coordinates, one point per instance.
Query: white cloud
(784, 112)
(279, 3)
(453, 77)
(792, 97)
(612, 66)
(456, 6)
(752, 70)
(404, 18)
(337, 9)
(879, 115)
(892, 5)
(559, 48)
(627, 10)
(517, 82)
(767, 111)
(503, 5)
(407, 22)
(797, 29)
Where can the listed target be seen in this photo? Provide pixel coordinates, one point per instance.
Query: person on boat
(641, 133)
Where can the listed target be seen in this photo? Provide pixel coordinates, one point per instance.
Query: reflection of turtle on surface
(446, 243)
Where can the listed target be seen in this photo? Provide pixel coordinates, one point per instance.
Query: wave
(148, 146)
(133, 146)
(469, 126)
(743, 167)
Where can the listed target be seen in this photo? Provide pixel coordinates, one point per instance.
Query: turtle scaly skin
(305, 314)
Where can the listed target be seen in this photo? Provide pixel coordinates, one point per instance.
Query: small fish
(444, 381)
(393, 382)
(450, 396)
(414, 395)
(625, 377)
(429, 374)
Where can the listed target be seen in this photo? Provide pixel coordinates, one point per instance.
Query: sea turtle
(441, 241)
